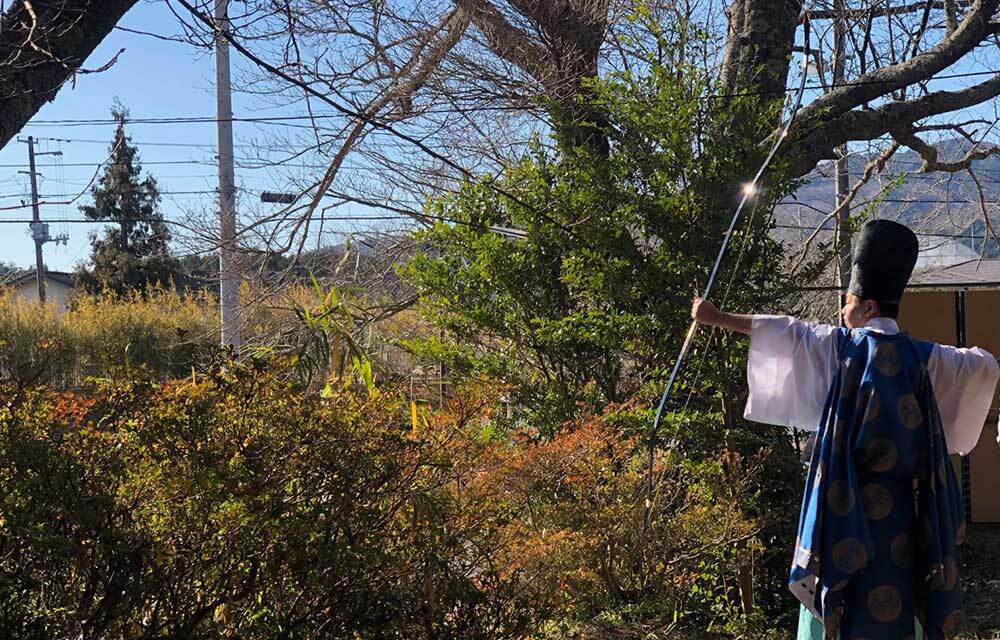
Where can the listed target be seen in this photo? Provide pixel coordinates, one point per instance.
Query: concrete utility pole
(39, 230)
(229, 293)
(843, 176)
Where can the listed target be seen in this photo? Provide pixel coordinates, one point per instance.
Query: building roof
(970, 274)
(983, 273)
(60, 277)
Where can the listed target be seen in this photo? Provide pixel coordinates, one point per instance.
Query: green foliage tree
(133, 254)
(590, 306)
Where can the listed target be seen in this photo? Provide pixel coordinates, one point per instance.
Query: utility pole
(39, 230)
(843, 177)
(229, 294)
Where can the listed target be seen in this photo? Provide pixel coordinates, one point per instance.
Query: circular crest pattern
(849, 555)
(876, 500)
(880, 455)
(886, 359)
(909, 411)
(840, 497)
(868, 404)
(901, 550)
(885, 603)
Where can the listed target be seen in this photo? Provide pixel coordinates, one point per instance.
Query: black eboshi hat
(885, 253)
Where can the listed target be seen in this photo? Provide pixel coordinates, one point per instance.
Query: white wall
(55, 293)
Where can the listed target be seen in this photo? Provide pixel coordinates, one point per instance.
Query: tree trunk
(561, 56)
(42, 46)
(759, 47)
(576, 123)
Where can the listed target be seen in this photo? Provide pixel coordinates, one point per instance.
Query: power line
(145, 144)
(857, 83)
(792, 203)
(107, 164)
(930, 234)
(179, 120)
(460, 222)
(945, 201)
(72, 122)
(170, 221)
(943, 176)
(68, 195)
(251, 164)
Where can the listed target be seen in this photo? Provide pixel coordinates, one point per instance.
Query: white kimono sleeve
(964, 381)
(791, 367)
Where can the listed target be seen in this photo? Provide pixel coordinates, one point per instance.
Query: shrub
(581, 520)
(35, 347)
(162, 331)
(166, 334)
(232, 505)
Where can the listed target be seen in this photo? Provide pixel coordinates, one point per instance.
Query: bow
(749, 189)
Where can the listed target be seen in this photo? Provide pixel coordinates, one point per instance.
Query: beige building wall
(982, 328)
(931, 315)
(55, 293)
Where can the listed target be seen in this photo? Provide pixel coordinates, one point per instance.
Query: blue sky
(154, 79)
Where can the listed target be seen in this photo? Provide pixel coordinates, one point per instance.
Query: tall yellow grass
(163, 332)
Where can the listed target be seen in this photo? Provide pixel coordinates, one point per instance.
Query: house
(944, 252)
(58, 287)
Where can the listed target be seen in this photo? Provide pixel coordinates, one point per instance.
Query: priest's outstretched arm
(706, 313)
(792, 365)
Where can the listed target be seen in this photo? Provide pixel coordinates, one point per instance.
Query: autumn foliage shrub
(233, 505)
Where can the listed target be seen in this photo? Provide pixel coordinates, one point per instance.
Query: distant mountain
(941, 207)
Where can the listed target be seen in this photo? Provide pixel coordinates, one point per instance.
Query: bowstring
(749, 190)
(725, 299)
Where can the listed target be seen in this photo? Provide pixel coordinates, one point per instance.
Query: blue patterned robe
(881, 515)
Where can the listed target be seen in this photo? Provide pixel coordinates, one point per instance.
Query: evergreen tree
(133, 254)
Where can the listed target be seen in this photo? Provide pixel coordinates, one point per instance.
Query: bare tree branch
(951, 15)
(929, 155)
(872, 168)
(888, 10)
(982, 207)
(973, 30)
(506, 40)
(868, 125)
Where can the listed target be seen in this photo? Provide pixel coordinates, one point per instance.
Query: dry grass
(981, 579)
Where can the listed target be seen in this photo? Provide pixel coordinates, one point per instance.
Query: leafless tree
(508, 69)
(379, 62)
